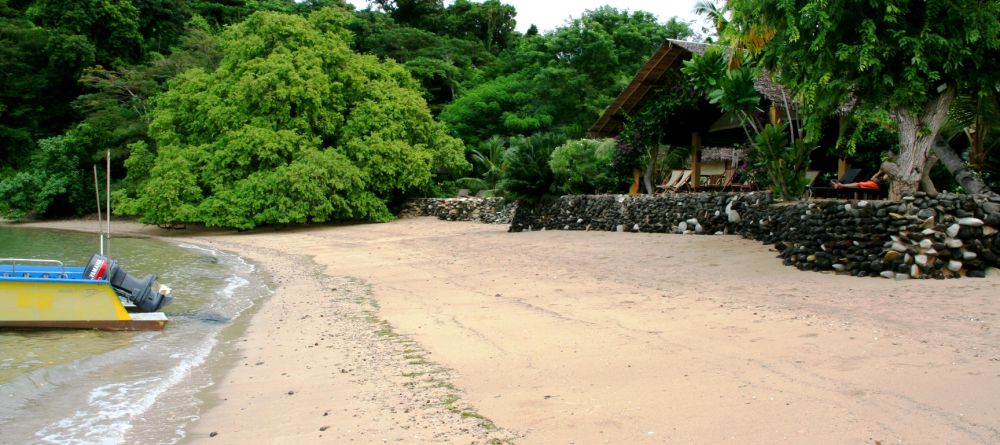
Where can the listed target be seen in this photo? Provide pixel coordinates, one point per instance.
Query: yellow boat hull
(68, 304)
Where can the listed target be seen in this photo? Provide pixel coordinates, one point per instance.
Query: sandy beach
(424, 331)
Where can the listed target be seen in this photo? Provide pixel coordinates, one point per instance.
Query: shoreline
(592, 337)
(251, 383)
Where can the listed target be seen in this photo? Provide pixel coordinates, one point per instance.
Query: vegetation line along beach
(851, 139)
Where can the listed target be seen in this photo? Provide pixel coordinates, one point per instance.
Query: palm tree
(714, 13)
(744, 34)
(977, 116)
(489, 165)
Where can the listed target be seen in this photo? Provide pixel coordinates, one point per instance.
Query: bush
(784, 162)
(488, 167)
(528, 176)
(584, 166)
(52, 185)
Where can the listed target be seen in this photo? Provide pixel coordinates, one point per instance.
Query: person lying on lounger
(872, 183)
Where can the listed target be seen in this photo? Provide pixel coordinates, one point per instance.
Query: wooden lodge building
(715, 137)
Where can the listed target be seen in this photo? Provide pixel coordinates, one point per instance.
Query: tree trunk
(916, 136)
(926, 184)
(647, 176)
(970, 182)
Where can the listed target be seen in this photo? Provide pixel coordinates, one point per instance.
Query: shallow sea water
(94, 387)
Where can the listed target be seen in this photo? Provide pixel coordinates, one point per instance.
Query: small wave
(119, 394)
(210, 250)
(114, 406)
(41, 383)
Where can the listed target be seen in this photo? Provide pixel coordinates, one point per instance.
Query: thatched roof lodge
(706, 126)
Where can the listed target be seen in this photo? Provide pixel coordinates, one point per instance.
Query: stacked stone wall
(919, 237)
(484, 210)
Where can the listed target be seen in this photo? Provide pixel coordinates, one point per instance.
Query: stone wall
(484, 210)
(918, 237)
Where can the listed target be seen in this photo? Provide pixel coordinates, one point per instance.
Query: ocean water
(94, 387)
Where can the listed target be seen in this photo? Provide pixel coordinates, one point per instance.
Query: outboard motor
(139, 292)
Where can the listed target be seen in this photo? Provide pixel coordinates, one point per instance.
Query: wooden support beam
(842, 164)
(695, 163)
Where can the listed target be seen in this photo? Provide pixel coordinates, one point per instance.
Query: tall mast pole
(107, 196)
(100, 223)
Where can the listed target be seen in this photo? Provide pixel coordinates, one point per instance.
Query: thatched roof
(670, 55)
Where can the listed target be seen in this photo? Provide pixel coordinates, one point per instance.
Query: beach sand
(423, 331)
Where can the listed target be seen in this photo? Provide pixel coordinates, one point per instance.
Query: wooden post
(695, 163)
(775, 117)
(636, 177)
(842, 162)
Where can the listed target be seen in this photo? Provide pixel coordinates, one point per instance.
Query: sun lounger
(723, 181)
(681, 182)
(669, 182)
(811, 176)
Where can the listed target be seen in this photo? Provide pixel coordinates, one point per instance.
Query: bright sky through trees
(548, 15)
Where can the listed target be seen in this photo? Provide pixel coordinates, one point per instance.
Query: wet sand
(423, 331)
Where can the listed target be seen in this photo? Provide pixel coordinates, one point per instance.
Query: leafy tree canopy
(111, 26)
(561, 80)
(910, 57)
(292, 127)
(439, 62)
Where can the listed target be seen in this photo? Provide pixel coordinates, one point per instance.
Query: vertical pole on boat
(100, 223)
(107, 196)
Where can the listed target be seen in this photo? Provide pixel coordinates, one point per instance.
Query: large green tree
(292, 127)
(111, 26)
(910, 57)
(561, 80)
(115, 112)
(424, 14)
(490, 22)
(439, 62)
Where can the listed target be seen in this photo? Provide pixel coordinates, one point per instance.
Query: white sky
(550, 14)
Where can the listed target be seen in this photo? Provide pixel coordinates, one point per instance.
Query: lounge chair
(745, 186)
(681, 182)
(811, 176)
(711, 182)
(669, 182)
(723, 181)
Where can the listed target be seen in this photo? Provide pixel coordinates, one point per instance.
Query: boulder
(971, 222)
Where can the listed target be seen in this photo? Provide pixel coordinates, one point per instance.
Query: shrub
(53, 184)
(528, 176)
(584, 166)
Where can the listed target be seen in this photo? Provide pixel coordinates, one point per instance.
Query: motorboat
(36, 293)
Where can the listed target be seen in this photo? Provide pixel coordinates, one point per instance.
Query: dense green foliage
(50, 177)
(70, 70)
(488, 165)
(560, 81)
(908, 57)
(584, 166)
(528, 176)
(210, 119)
(292, 127)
